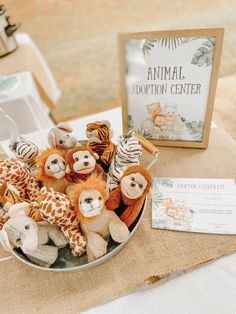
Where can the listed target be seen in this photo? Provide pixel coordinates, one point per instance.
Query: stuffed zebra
(127, 154)
(26, 152)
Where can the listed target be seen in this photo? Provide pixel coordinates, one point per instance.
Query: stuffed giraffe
(12, 171)
(8, 198)
(56, 209)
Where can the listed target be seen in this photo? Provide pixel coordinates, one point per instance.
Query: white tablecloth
(210, 289)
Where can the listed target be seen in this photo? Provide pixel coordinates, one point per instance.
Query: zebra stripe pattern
(26, 152)
(127, 154)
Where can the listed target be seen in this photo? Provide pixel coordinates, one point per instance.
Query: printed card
(195, 205)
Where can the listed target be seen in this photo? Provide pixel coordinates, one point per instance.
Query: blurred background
(78, 39)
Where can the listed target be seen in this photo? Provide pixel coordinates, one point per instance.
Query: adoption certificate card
(194, 205)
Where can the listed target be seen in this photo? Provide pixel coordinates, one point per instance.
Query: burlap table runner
(150, 255)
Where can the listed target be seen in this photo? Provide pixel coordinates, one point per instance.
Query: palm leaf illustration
(204, 54)
(170, 43)
(148, 45)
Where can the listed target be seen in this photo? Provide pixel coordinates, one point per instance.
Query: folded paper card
(195, 205)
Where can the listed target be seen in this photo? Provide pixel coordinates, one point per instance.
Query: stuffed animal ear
(96, 156)
(121, 138)
(5, 241)
(19, 209)
(68, 169)
(11, 147)
(130, 133)
(43, 190)
(65, 127)
(111, 133)
(105, 122)
(52, 139)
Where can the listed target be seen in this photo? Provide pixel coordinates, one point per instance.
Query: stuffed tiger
(127, 153)
(8, 197)
(26, 152)
(98, 134)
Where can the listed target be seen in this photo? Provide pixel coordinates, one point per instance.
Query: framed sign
(168, 83)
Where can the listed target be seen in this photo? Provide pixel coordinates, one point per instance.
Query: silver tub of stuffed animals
(57, 243)
(66, 262)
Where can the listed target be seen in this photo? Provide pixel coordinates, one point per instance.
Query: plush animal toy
(96, 223)
(56, 209)
(8, 198)
(51, 166)
(98, 134)
(11, 171)
(32, 237)
(127, 199)
(26, 152)
(160, 121)
(127, 154)
(60, 137)
(154, 109)
(81, 163)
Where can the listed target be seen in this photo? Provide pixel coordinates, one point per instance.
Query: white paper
(195, 205)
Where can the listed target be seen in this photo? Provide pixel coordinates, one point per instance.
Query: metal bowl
(66, 262)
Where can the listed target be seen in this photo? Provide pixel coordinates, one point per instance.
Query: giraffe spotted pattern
(55, 208)
(12, 171)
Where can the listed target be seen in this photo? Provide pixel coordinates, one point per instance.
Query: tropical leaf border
(203, 55)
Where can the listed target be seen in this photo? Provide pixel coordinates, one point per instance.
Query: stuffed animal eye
(1, 205)
(76, 159)
(68, 135)
(100, 198)
(86, 156)
(8, 166)
(132, 178)
(61, 141)
(18, 239)
(48, 167)
(27, 227)
(57, 198)
(140, 186)
(91, 130)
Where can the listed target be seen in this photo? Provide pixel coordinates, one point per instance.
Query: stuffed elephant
(32, 237)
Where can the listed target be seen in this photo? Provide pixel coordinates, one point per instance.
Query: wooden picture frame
(206, 57)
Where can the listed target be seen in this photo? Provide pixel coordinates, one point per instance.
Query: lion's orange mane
(41, 160)
(94, 182)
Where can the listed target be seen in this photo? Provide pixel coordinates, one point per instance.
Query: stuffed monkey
(127, 199)
(81, 163)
